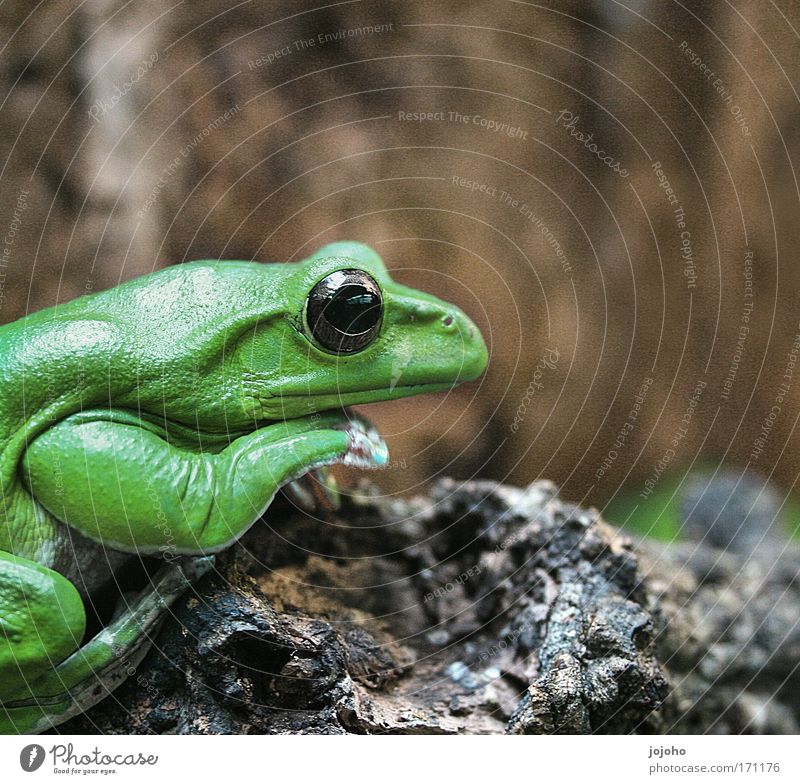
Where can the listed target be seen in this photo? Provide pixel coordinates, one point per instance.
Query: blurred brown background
(140, 134)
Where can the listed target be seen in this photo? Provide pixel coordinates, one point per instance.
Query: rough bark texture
(478, 608)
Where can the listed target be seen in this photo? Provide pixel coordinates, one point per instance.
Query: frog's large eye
(344, 311)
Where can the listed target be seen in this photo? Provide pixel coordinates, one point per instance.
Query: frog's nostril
(447, 321)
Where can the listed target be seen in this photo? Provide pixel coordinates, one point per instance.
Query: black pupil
(353, 309)
(344, 311)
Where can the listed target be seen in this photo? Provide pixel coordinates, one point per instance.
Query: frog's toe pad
(366, 449)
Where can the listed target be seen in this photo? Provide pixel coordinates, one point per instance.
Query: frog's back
(155, 314)
(178, 293)
(61, 359)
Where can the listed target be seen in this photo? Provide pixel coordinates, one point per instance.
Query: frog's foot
(367, 449)
(42, 621)
(93, 671)
(317, 490)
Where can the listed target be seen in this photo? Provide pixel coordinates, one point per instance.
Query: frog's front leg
(125, 486)
(46, 679)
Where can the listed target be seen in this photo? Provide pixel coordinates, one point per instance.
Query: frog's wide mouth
(341, 400)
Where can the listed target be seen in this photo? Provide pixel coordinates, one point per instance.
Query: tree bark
(477, 608)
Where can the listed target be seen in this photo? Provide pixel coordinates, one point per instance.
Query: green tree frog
(160, 417)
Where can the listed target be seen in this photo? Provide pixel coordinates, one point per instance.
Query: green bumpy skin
(160, 418)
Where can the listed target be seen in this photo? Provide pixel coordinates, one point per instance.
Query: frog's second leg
(42, 621)
(124, 485)
(46, 678)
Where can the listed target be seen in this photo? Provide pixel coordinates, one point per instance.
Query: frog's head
(349, 334)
